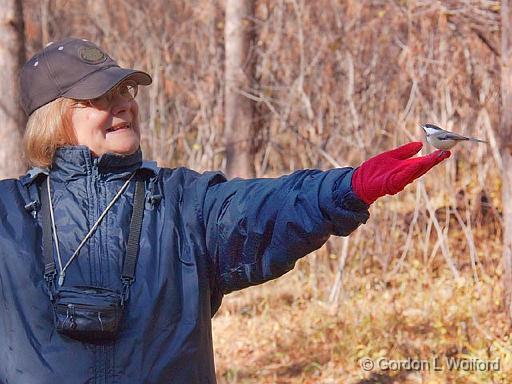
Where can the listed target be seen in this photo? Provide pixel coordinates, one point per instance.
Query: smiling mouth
(119, 127)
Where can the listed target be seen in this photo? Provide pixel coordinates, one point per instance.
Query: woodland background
(325, 84)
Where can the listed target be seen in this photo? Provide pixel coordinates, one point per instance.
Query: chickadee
(444, 140)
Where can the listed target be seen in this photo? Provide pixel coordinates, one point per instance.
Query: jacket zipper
(95, 168)
(99, 370)
(95, 200)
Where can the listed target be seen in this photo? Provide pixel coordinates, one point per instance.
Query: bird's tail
(478, 140)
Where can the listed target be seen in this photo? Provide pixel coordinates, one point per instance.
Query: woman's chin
(124, 147)
(126, 151)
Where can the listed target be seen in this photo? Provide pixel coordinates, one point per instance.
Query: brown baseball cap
(72, 68)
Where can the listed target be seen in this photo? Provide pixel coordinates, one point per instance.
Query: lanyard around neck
(62, 269)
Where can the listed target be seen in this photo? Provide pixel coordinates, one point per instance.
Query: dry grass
(399, 298)
(284, 332)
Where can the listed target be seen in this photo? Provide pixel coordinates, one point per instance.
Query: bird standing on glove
(444, 140)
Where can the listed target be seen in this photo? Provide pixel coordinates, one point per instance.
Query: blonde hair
(48, 128)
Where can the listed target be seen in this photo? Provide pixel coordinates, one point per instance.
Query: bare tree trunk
(12, 118)
(506, 149)
(45, 21)
(239, 69)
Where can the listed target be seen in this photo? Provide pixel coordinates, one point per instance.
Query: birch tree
(12, 57)
(239, 68)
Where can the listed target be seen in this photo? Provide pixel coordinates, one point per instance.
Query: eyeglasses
(127, 90)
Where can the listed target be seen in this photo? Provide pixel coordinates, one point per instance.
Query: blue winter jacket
(202, 237)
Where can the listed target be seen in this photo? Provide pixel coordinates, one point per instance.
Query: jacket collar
(71, 162)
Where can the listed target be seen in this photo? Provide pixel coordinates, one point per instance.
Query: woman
(70, 310)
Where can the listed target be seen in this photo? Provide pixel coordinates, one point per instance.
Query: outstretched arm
(256, 229)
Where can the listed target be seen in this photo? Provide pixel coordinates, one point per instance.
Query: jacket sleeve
(256, 229)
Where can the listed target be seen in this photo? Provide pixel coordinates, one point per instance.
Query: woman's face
(108, 124)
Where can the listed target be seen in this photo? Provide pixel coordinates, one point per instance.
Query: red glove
(389, 172)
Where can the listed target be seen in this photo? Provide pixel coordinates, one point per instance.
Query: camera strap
(132, 248)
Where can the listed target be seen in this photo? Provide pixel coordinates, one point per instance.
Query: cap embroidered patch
(92, 55)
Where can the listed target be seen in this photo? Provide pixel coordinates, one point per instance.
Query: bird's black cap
(428, 125)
